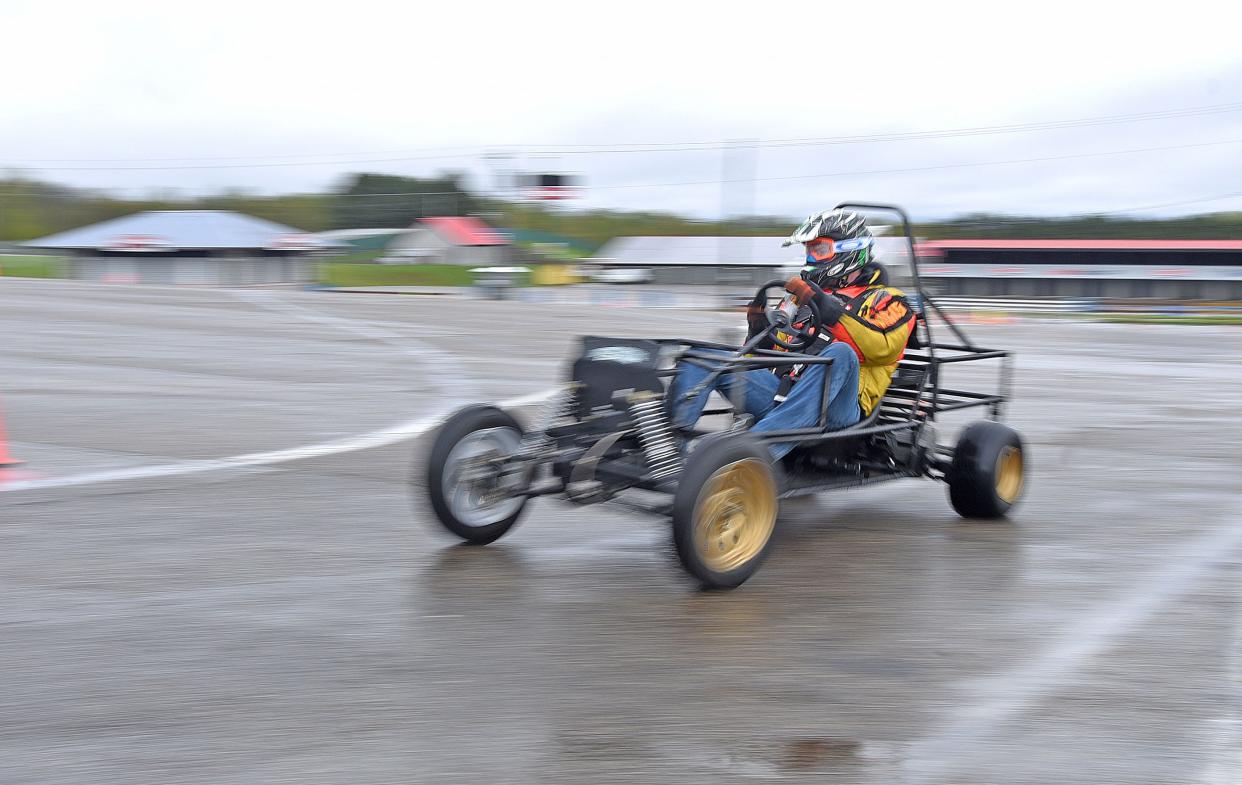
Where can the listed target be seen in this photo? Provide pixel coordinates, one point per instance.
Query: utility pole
(503, 186)
(746, 185)
(723, 241)
(499, 167)
(738, 167)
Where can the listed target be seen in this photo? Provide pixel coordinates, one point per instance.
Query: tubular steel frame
(902, 408)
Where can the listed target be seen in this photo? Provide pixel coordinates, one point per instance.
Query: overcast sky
(278, 97)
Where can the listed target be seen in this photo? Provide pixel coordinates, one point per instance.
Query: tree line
(32, 208)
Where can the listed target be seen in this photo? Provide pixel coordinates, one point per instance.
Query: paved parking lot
(214, 573)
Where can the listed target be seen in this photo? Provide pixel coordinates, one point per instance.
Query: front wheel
(988, 470)
(470, 493)
(724, 511)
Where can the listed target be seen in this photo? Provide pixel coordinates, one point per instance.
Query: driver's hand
(801, 290)
(830, 308)
(756, 320)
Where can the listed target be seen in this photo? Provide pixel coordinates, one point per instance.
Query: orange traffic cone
(5, 458)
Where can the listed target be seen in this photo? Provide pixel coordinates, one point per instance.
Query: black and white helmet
(837, 242)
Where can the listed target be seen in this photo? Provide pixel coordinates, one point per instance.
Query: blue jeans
(755, 389)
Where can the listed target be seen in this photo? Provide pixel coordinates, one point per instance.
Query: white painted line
(366, 441)
(1009, 694)
(379, 438)
(1224, 742)
(408, 346)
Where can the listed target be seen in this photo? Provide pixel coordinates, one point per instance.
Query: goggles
(821, 249)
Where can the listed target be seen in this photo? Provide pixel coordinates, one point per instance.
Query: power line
(260, 165)
(911, 135)
(853, 173)
(825, 175)
(75, 194)
(451, 152)
(442, 153)
(938, 167)
(1179, 203)
(1029, 220)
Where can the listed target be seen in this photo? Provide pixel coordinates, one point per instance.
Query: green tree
(390, 201)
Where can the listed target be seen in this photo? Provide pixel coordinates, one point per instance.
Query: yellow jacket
(876, 324)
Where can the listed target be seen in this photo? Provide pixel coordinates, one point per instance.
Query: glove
(800, 289)
(756, 319)
(830, 308)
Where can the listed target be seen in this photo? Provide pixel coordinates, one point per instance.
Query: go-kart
(607, 436)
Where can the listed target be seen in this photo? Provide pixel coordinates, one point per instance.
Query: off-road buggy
(607, 437)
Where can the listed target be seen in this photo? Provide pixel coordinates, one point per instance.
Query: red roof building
(463, 240)
(465, 230)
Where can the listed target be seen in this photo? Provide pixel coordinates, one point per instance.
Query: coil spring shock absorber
(655, 434)
(555, 410)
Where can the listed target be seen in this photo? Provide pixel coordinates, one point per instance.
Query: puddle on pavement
(812, 753)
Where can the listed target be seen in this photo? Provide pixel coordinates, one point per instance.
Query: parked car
(620, 275)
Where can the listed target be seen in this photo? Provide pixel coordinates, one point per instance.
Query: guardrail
(1016, 306)
(1006, 305)
(1087, 305)
(980, 308)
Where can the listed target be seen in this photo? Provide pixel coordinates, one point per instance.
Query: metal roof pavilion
(181, 230)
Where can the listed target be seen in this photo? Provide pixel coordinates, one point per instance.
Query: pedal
(586, 491)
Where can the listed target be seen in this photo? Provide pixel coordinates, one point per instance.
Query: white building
(460, 240)
(741, 261)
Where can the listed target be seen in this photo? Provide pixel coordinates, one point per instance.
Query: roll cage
(914, 398)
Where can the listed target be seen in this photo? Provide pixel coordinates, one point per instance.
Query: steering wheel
(779, 321)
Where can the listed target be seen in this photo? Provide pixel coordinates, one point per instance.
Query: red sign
(553, 193)
(136, 242)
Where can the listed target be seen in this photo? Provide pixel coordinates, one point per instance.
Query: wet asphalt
(303, 620)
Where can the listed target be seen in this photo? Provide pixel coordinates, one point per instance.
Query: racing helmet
(837, 242)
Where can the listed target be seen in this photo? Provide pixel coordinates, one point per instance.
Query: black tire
(730, 475)
(987, 475)
(463, 425)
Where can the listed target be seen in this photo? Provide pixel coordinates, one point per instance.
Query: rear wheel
(465, 482)
(988, 471)
(724, 511)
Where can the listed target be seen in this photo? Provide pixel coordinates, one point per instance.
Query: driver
(866, 325)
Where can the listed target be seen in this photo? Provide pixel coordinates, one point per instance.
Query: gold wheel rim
(735, 515)
(1009, 474)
